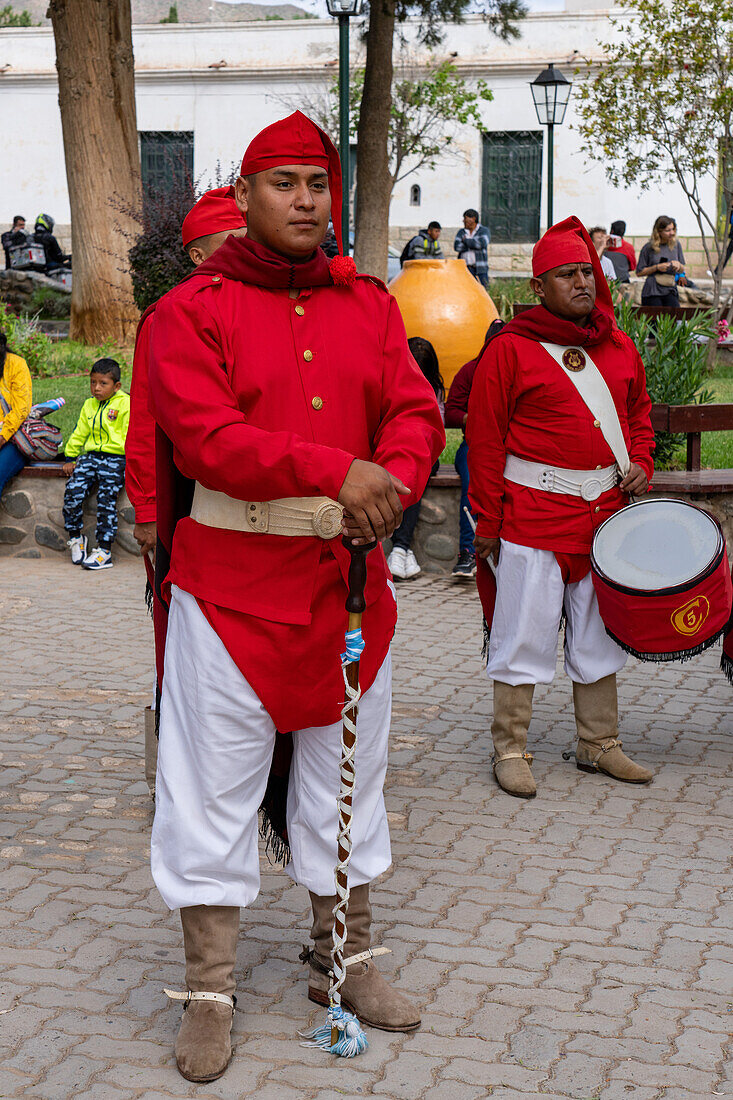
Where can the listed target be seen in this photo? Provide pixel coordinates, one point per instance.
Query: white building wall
(266, 63)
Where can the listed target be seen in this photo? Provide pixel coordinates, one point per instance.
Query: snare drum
(661, 575)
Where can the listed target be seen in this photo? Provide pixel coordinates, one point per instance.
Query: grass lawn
(716, 448)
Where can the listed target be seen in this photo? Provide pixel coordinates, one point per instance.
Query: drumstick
(489, 561)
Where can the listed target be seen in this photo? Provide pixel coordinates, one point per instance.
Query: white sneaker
(411, 567)
(397, 564)
(78, 547)
(98, 559)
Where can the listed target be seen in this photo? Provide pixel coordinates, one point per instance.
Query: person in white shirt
(599, 236)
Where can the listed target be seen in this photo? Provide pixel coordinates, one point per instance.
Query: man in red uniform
(544, 476)
(291, 402)
(206, 226)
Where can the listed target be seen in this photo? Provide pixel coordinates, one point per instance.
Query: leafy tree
(172, 16)
(10, 18)
(660, 106)
(429, 103)
(374, 178)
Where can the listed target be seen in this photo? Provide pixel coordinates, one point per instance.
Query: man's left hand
(636, 482)
(146, 535)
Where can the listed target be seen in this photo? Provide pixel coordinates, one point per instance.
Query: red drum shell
(670, 625)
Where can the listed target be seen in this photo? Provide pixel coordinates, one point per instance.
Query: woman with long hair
(402, 561)
(662, 262)
(15, 404)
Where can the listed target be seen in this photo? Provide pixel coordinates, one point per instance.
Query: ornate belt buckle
(591, 488)
(327, 520)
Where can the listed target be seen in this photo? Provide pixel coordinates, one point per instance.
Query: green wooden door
(511, 185)
(166, 160)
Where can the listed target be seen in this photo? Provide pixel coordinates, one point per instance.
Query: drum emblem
(573, 359)
(689, 618)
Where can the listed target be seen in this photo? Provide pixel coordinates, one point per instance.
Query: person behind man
(456, 414)
(286, 389)
(618, 245)
(662, 261)
(16, 398)
(472, 244)
(424, 246)
(99, 441)
(14, 237)
(402, 562)
(43, 235)
(599, 237)
(543, 479)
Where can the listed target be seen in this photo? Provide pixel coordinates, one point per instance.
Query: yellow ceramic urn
(442, 302)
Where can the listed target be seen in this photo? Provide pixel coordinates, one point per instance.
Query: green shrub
(674, 355)
(25, 340)
(50, 303)
(505, 292)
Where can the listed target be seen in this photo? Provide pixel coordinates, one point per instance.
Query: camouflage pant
(108, 472)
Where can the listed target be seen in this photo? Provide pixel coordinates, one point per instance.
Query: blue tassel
(351, 1040)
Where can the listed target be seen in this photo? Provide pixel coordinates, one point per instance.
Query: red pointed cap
(215, 212)
(568, 242)
(297, 140)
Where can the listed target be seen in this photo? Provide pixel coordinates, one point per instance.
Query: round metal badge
(573, 359)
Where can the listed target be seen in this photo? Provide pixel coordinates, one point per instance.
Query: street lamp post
(550, 92)
(344, 10)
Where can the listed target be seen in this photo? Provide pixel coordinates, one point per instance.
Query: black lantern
(551, 93)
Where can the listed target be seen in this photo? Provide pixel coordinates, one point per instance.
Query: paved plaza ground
(579, 945)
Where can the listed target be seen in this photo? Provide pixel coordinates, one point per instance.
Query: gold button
(597, 508)
(599, 467)
(307, 355)
(596, 423)
(216, 278)
(317, 403)
(299, 310)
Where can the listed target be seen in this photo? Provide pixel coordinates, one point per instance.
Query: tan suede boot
(151, 750)
(203, 1046)
(512, 714)
(596, 718)
(365, 992)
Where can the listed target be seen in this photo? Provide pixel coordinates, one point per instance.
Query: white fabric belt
(588, 484)
(188, 996)
(294, 516)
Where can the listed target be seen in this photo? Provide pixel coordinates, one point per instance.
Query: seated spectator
(662, 262)
(99, 441)
(456, 412)
(15, 237)
(472, 245)
(599, 236)
(43, 235)
(424, 246)
(402, 561)
(15, 404)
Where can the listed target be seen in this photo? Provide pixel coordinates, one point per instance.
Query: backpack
(405, 251)
(35, 439)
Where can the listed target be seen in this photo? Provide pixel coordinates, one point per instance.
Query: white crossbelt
(588, 484)
(293, 516)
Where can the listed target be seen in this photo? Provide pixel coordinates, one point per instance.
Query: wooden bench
(692, 421)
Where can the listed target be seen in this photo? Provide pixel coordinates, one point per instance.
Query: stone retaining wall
(31, 524)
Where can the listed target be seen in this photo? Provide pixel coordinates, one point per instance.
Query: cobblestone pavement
(578, 945)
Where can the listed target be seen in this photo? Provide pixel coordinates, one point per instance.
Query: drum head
(656, 544)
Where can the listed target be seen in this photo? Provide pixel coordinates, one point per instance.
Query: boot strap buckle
(364, 956)
(190, 995)
(512, 756)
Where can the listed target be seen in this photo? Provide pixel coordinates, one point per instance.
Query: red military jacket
(264, 395)
(140, 441)
(523, 404)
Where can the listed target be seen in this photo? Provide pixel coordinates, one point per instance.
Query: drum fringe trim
(149, 598)
(273, 821)
(726, 667)
(672, 655)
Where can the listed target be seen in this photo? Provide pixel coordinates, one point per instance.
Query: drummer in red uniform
(292, 404)
(544, 475)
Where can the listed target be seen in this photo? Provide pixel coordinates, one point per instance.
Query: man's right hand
(369, 496)
(146, 536)
(486, 548)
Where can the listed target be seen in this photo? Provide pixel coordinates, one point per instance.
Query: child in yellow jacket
(99, 441)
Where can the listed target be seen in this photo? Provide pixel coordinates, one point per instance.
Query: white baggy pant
(530, 598)
(216, 742)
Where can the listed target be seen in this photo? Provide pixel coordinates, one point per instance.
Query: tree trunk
(97, 100)
(373, 177)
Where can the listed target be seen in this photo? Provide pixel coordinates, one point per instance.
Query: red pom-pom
(343, 271)
(617, 337)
